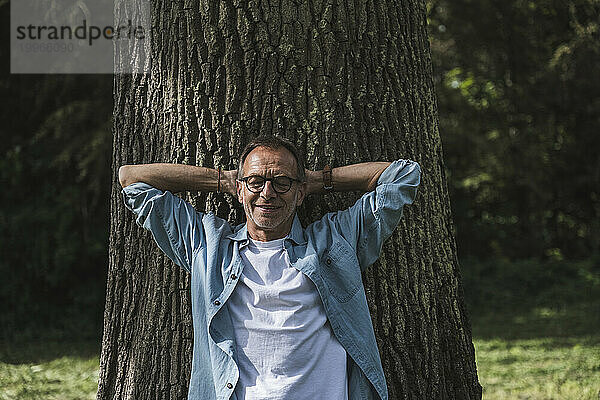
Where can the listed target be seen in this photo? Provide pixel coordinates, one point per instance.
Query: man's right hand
(356, 177)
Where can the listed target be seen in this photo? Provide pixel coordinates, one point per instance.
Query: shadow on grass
(529, 299)
(37, 352)
(572, 320)
(38, 335)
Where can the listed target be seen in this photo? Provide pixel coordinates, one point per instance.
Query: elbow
(416, 182)
(414, 174)
(125, 178)
(418, 173)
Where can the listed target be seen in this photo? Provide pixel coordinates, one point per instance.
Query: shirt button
(217, 303)
(233, 276)
(328, 261)
(229, 385)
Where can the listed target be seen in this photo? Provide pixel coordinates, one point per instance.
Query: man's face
(270, 214)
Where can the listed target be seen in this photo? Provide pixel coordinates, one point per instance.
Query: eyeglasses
(281, 184)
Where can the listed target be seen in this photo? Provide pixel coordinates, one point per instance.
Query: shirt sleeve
(175, 225)
(373, 218)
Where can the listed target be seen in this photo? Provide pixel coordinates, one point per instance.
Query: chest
(271, 289)
(331, 266)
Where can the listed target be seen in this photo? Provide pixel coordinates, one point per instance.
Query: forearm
(177, 177)
(355, 177)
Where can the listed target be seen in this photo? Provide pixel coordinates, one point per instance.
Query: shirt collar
(296, 233)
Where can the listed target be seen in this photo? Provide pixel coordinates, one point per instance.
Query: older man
(279, 311)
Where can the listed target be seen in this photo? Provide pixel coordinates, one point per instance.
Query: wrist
(227, 182)
(314, 181)
(327, 179)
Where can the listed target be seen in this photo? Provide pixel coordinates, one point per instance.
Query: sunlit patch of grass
(49, 371)
(543, 368)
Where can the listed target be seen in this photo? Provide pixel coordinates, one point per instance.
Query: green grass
(544, 368)
(536, 328)
(540, 354)
(49, 370)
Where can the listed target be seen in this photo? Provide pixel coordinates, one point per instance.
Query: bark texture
(348, 82)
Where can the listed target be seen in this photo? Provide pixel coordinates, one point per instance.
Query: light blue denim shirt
(331, 252)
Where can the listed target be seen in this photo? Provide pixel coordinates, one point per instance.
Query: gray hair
(272, 142)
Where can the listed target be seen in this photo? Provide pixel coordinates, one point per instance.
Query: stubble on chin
(269, 223)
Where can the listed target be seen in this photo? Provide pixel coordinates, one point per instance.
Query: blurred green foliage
(519, 107)
(519, 104)
(55, 175)
(55, 149)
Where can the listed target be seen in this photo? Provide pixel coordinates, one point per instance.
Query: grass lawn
(536, 329)
(49, 370)
(541, 356)
(544, 368)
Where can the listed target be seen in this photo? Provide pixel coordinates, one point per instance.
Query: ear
(239, 188)
(301, 193)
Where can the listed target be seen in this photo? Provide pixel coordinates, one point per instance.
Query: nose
(268, 192)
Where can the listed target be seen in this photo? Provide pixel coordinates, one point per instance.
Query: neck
(265, 234)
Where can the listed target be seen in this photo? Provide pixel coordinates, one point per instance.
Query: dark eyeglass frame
(265, 180)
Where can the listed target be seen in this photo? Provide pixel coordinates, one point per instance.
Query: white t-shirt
(286, 348)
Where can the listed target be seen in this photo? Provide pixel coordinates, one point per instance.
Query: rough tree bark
(347, 82)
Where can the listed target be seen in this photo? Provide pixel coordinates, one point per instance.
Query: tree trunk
(347, 82)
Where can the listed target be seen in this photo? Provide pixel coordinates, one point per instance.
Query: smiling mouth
(267, 208)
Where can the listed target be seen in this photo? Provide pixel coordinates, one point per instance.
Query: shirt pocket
(340, 271)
